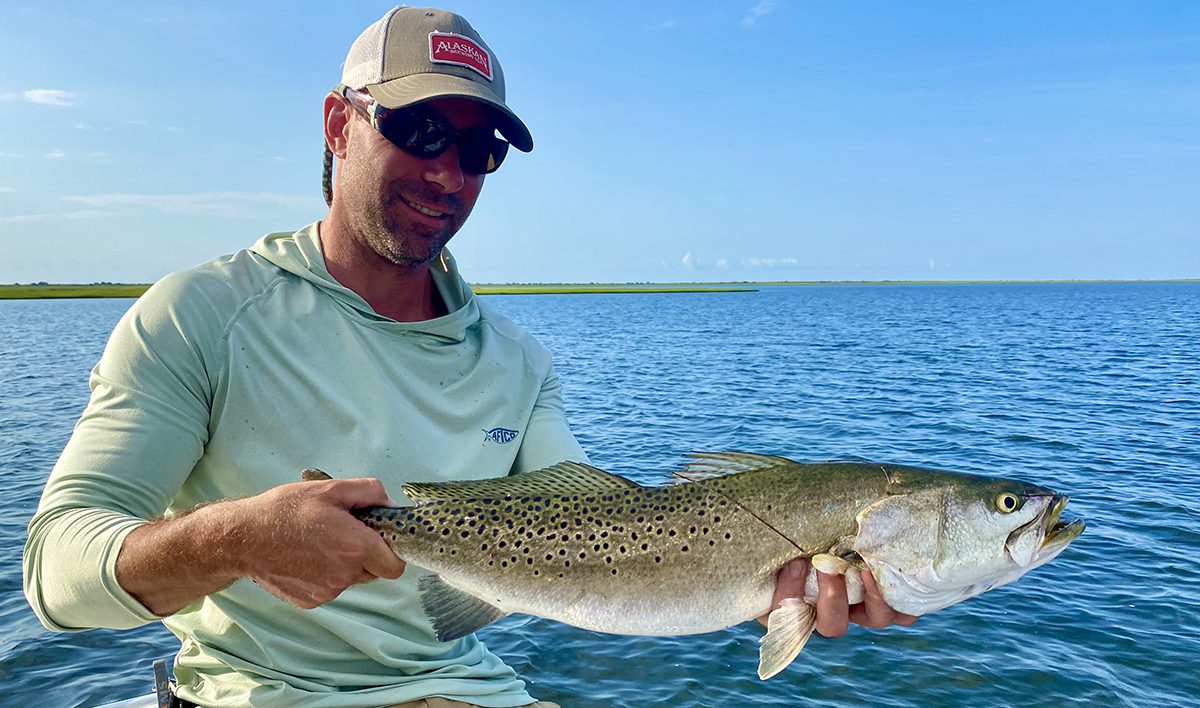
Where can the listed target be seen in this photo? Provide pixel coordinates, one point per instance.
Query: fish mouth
(1058, 533)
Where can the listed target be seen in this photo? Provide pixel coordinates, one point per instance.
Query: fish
(595, 550)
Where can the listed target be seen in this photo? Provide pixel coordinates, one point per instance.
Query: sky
(733, 140)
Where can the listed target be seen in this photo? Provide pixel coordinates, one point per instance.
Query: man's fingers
(383, 563)
(358, 493)
(789, 582)
(833, 609)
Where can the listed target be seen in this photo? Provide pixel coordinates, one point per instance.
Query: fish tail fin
(788, 629)
(453, 612)
(314, 475)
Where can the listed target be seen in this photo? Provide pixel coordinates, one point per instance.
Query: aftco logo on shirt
(502, 436)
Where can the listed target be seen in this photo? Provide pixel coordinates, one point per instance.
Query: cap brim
(416, 88)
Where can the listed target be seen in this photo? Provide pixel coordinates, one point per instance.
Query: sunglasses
(421, 132)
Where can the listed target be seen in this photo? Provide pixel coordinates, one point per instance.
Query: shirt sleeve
(144, 428)
(548, 438)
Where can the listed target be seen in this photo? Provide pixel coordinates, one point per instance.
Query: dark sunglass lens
(417, 134)
(481, 152)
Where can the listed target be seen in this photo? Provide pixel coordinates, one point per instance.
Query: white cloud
(723, 263)
(769, 262)
(932, 264)
(99, 155)
(756, 13)
(688, 261)
(49, 97)
(55, 155)
(80, 126)
(33, 218)
(7, 190)
(224, 204)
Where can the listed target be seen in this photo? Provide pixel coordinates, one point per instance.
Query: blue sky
(732, 140)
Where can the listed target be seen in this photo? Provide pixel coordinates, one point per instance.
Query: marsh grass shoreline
(44, 291)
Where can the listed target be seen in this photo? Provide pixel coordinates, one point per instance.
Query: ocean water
(1091, 389)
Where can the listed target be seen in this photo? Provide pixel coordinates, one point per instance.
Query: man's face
(406, 208)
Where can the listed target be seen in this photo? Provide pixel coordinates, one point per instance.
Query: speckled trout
(592, 549)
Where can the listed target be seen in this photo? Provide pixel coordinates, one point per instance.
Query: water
(1089, 388)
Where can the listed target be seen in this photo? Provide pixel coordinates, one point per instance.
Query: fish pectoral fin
(455, 613)
(831, 564)
(788, 629)
(314, 475)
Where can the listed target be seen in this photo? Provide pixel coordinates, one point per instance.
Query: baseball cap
(415, 54)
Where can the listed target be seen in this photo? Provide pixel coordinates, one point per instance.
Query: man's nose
(445, 171)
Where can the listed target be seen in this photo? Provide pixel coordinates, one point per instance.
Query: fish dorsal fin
(563, 479)
(707, 465)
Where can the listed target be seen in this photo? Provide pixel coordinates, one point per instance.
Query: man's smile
(424, 209)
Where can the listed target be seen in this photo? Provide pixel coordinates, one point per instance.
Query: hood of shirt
(300, 254)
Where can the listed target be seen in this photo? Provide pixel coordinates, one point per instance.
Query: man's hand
(299, 541)
(302, 544)
(834, 612)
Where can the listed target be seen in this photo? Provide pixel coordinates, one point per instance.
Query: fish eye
(1007, 502)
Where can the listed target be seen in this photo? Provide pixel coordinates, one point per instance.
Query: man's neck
(393, 291)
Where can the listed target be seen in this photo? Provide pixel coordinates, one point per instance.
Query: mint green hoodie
(227, 379)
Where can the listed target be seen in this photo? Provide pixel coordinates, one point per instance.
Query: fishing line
(683, 475)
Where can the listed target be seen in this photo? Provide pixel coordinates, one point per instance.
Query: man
(351, 345)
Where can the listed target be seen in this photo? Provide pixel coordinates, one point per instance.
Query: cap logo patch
(448, 48)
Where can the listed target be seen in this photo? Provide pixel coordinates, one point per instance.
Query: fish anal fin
(708, 465)
(453, 612)
(565, 478)
(788, 629)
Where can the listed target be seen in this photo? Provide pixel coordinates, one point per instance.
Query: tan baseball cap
(417, 54)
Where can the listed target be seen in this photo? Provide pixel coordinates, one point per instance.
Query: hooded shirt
(228, 379)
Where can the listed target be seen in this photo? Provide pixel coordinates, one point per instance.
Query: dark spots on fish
(582, 554)
(645, 546)
(445, 532)
(549, 556)
(728, 535)
(671, 532)
(684, 549)
(466, 534)
(658, 559)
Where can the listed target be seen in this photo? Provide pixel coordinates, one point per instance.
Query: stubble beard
(396, 240)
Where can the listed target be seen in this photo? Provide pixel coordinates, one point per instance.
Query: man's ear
(337, 124)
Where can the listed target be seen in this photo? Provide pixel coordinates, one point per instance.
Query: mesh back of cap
(364, 63)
